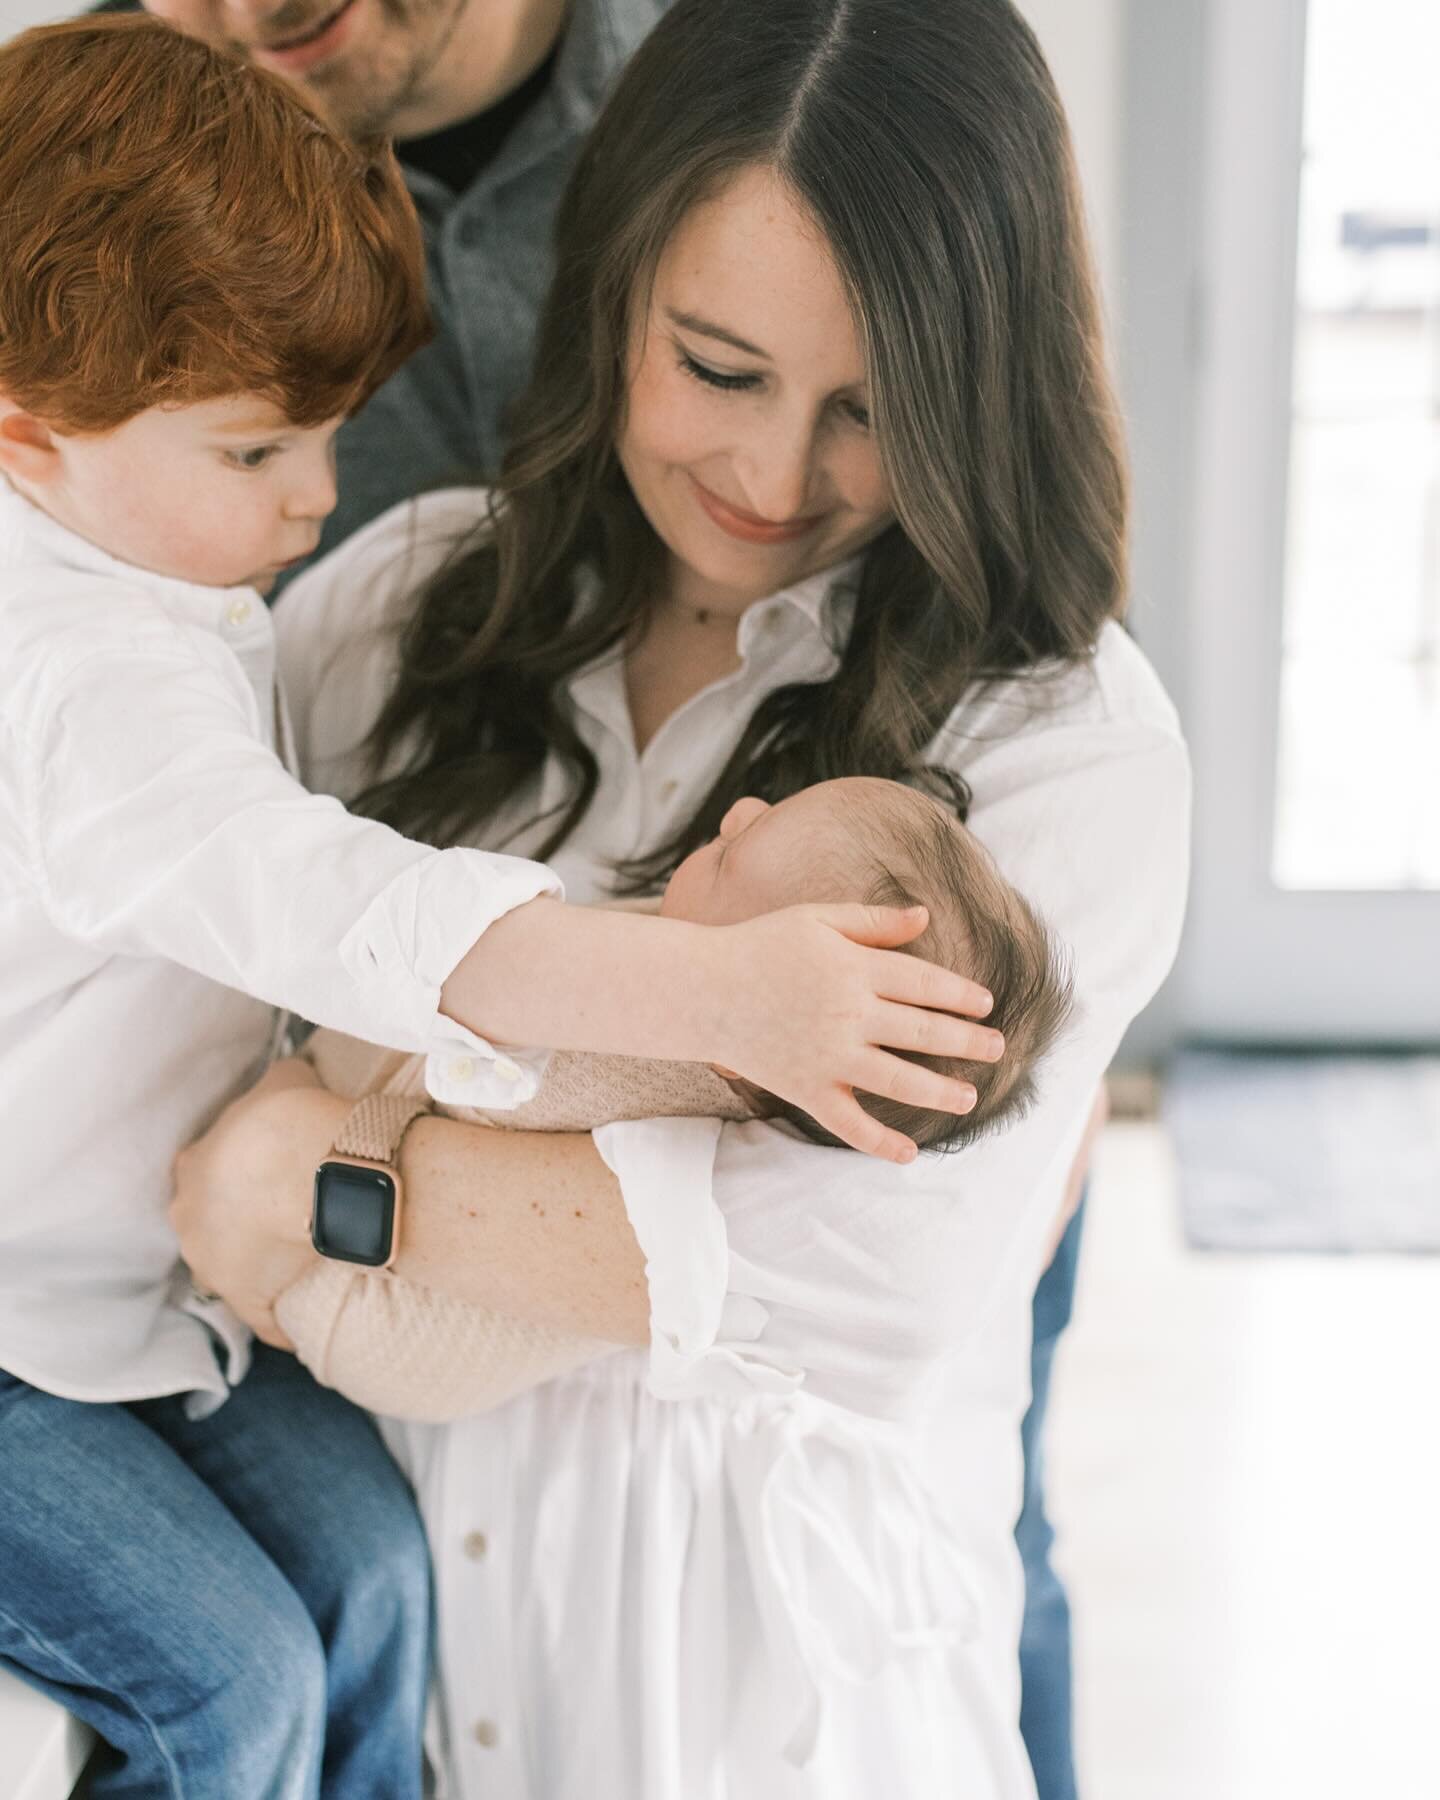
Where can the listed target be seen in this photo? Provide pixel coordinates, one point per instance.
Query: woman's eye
(715, 378)
(856, 413)
(250, 459)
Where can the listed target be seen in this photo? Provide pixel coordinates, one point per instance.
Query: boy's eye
(253, 458)
(716, 378)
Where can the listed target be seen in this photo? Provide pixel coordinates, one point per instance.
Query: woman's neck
(680, 654)
(691, 640)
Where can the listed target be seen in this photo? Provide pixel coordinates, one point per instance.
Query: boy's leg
(305, 1473)
(129, 1593)
(1045, 1704)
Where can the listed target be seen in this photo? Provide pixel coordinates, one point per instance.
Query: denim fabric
(1045, 1703)
(239, 1605)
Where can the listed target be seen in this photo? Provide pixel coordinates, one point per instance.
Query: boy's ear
(28, 446)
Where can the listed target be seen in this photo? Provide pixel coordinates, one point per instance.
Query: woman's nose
(776, 472)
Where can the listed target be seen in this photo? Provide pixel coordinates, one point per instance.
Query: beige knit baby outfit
(398, 1348)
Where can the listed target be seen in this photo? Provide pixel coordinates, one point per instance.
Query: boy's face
(224, 493)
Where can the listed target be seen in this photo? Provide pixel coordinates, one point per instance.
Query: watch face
(354, 1213)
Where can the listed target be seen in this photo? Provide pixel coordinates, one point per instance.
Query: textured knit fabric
(411, 1353)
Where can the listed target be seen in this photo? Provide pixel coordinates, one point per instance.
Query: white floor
(1245, 1468)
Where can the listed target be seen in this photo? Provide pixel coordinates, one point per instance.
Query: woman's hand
(816, 1004)
(243, 1193)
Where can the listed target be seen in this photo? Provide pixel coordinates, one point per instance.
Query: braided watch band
(375, 1125)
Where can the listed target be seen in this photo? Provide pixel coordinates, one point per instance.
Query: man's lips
(302, 50)
(749, 526)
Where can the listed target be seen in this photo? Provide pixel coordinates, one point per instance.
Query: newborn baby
(411, 1352)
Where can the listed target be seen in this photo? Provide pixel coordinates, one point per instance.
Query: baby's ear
(28, 446)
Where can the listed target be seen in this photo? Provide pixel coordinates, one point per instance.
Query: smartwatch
(356, 1215)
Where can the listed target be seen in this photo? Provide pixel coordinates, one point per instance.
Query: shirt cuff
(411, 937)
(704, 1340)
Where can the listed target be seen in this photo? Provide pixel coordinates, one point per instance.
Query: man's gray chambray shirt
(488, 252)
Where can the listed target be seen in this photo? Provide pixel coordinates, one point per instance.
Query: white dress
(772, 1557)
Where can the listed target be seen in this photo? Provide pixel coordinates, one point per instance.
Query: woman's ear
(29, 449)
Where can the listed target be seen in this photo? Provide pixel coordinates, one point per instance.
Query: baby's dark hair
(917, 853)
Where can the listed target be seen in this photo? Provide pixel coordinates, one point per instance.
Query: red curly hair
(178, 226)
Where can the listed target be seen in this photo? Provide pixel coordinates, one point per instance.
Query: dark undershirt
(458, 153)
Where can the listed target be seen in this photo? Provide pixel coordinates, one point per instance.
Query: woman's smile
(751, 527)
(760, 386)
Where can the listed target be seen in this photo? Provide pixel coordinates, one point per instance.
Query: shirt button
(669, 789)
(506, 1070)
(486, 1734)
(463, 1069)
(476, 1544)
(238, 611)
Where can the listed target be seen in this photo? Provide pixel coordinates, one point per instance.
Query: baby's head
(884, 844)
(199, 279)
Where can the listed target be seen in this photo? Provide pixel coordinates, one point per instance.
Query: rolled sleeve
(409, 939)
(704, 1338)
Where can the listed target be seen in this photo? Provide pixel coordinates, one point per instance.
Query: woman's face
(746, 436)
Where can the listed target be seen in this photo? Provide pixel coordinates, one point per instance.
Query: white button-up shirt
(773, 1556)
(164, 885)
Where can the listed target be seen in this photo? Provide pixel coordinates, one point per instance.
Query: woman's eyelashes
(717, 378)
(728, 383)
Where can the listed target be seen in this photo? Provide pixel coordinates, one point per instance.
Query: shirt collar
(600, 36)
(794, 635)
(29, 535)
(825, 601)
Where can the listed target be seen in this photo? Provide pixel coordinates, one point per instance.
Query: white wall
(1084, 41)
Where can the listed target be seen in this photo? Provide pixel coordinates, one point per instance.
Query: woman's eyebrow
(704, 328)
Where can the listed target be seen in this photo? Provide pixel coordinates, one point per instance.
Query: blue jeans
(1045, 1714)
(239, 1605)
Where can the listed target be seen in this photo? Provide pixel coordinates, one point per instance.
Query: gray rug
(1288, 1152)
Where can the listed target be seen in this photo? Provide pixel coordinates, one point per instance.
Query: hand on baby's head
(881, 843)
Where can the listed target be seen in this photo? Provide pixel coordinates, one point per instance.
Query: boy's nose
(316, 499)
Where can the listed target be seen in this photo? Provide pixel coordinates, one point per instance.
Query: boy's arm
(161, 826)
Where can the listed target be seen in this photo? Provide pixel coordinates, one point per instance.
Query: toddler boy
(198, 280)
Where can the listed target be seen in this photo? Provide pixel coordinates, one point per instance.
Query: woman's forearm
(529, 1223)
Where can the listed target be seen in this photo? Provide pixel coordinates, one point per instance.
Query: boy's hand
(811, 1001)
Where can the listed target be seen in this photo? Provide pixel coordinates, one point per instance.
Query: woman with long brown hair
(819, 475)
